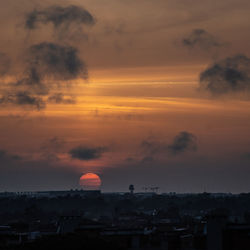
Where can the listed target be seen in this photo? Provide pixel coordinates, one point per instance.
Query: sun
(90, 181)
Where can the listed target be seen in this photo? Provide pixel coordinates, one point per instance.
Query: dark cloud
(23, 98)
(6, 157)
(49, 65)
(202, 39)
(227, 76)
(64, 19)
(60, 98)
(184, 141)
(58, 16)
(87, 153)
(55, 61)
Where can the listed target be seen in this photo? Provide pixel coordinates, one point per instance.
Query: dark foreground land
(91, 220)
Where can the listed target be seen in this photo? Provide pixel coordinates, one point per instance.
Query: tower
(131, 189)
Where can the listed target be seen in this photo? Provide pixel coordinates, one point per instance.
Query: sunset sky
(143, 92)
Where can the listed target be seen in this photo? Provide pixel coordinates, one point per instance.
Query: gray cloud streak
(202, 39)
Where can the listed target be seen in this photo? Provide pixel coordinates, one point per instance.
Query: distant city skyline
(142, 92)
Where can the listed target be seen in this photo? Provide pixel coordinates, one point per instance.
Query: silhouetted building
(236, 237)
(215, 225)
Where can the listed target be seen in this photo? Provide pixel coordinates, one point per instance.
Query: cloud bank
(48, 67)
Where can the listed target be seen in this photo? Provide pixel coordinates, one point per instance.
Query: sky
(143, 92)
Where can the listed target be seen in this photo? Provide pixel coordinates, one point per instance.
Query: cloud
(87, 153)
(55, 61)
(46, 70)
(50, 62)
(63, 19)
(48, 66)
(6, 157)
(229, 75)
(183, 142)
(23, 98)
(60, 98)
(200, 38)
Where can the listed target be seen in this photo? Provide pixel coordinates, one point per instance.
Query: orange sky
(143, 85)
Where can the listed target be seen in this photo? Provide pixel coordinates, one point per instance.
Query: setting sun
(90, 181)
